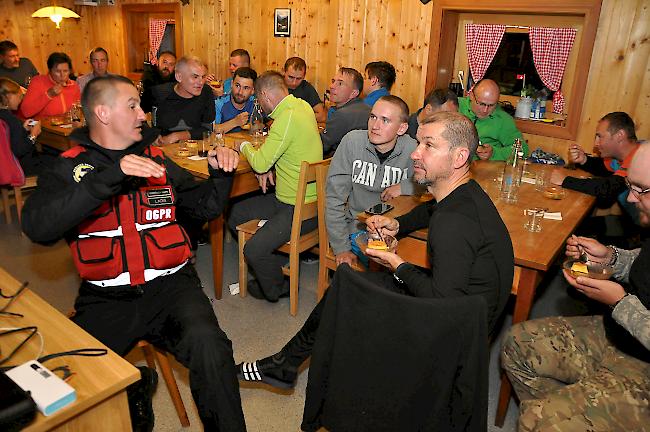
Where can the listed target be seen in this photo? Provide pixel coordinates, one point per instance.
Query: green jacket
(293, 138)
(498, 129)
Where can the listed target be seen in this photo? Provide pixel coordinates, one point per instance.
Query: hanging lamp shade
(55, 13)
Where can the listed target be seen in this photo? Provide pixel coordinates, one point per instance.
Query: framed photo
(282, 21)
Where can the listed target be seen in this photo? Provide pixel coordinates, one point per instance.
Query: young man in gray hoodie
(368, 167)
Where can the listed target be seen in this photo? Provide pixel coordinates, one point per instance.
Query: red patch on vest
(74, 152)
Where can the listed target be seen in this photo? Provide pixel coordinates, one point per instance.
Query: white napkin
(234, 288)
(528, 180)
(553, 215)
(196, 158)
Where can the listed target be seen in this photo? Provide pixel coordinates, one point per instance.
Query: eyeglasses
(635, 190)
(482, 104)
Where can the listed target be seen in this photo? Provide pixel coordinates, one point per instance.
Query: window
(513, 58)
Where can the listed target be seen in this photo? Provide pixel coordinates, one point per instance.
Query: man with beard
(162, 73)
(591, 372)
(234, 111)
(186, 107)
(469, 246)
(114, 199)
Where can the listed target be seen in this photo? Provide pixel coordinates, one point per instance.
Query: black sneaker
(140, 395)
(256, 291)
(268, 371)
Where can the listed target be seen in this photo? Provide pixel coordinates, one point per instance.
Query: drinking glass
(534, 218)
(204, 146)
(541, 178)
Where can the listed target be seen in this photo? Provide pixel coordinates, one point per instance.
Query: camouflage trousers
(570, 378)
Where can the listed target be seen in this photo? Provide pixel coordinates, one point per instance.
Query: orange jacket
(37, 104)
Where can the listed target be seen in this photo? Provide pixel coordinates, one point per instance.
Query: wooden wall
(327, 34)
(333, 33)
(619, 75)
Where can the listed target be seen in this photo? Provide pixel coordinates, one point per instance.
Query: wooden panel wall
(327, 34)
(333, 33)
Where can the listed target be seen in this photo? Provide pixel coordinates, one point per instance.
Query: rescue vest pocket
(98, 258)
(167, 246)
(102, 219)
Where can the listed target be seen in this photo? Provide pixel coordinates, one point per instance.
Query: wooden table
(53, 136)
(534, 253)
(244, 182)
(100, 382)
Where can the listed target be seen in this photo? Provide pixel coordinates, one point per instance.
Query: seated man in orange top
(52, 93)
(616, 143)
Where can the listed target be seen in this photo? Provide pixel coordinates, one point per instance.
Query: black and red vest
(133, 237)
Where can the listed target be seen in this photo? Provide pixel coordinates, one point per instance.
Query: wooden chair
(297, 243)
(30, 183)
(326, 258)
(151, 353)
(12, 176)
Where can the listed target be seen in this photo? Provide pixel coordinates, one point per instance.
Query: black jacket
(150, 79)
(75, 186)
(384, 361)
(606, 186)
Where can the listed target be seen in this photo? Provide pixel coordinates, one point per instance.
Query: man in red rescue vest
(114, 199)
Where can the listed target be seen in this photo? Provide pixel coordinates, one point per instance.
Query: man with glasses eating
(591, 372)
(496, 128)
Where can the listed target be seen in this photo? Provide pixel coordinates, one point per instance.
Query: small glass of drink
(534, 218)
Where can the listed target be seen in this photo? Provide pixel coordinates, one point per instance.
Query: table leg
(528, 281)
(216, 245)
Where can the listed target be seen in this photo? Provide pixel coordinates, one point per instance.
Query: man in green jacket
(496, 128)
(293, 138)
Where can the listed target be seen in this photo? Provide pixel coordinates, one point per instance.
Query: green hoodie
(293, 138)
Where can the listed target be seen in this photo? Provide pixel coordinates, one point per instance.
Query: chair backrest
(321, 185)
(304, 211)
(11, 173)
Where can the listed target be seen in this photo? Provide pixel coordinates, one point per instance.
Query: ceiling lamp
(55, 13)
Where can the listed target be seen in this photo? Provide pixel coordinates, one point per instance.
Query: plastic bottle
(512, 172)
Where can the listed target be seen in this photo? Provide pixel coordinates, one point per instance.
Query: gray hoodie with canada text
(356, 179)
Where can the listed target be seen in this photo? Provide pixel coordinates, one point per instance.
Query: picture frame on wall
(282, 23)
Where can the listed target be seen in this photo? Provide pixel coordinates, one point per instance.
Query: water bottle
(512, 174)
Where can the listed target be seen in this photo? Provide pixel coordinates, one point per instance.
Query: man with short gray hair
(185, 109)
(99, 62)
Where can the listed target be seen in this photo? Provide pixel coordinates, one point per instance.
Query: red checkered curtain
(551, 48)
(156, 32)
(482, 41)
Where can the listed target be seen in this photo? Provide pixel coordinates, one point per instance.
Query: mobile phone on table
(379, 209)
